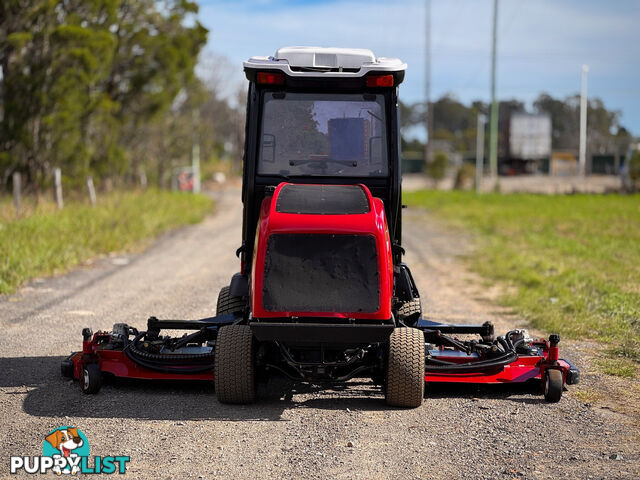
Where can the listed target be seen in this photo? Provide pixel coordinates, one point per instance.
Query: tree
(456, 123)
(437, 168)
(154, 59)
(453, 122)
(26, 57)
(81, 77)
(604, 132)
(451, 115)
(411, 114)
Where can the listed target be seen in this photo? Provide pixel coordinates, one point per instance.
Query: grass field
(49, 241)
(571, 263)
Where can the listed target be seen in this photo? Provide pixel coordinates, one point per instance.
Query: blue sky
(541, 44)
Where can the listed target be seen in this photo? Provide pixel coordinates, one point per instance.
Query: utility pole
(195, 153)
(582, 158)
(480, 151)
(493, 126)
(428, 118)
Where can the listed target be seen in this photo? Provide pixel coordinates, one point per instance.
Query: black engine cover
(321, 273)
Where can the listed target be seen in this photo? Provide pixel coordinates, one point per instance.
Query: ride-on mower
(322, 295)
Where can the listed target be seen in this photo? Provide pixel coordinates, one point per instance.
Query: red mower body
(275, 219)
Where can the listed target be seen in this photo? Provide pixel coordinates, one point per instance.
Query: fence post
(17, 188)
(57, 180)
(143, 178)
(92, 190)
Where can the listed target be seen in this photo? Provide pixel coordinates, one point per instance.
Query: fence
(18, 185)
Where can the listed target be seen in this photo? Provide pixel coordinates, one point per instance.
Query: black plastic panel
(321, 273)
(322, 200)
(314, 333)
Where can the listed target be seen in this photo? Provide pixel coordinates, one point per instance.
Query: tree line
(105, 88)
(456, 123)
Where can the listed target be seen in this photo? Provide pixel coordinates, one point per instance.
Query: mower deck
(191, 357)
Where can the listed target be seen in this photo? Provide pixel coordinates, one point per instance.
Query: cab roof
(325, 62)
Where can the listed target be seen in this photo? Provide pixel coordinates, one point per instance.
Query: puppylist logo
(65, 450)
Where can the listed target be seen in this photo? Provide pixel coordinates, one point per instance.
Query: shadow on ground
(48, 394)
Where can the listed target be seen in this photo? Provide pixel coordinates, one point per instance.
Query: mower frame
(255, 332)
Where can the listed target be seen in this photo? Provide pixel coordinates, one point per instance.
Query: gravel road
(180, 431)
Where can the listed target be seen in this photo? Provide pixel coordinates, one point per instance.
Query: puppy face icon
(65, 440)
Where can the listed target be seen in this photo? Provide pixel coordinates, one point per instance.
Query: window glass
(323, 134)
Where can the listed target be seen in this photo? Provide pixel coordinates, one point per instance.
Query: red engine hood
(348, 215)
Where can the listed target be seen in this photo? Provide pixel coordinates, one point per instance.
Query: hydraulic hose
(505, 346)
(517, 343)
(508, 338)
(441, 366)
(166, 363)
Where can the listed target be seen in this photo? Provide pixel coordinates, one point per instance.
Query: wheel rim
(85, 377)
(546, 384)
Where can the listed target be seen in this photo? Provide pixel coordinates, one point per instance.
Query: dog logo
(65, 451)
(67, 442)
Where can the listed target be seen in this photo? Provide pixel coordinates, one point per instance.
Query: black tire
(91, 380)
(405, 368)
(553, 386)
(66, 368)
(234, 371)
(228, 303)
(410, 310)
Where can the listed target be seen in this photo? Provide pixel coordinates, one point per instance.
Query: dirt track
(180, 431)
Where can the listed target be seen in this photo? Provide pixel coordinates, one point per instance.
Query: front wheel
(553, 386)
(405, 368)
(91, 378)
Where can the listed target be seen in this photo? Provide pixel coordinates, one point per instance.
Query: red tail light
(380, 81)
(270, 78)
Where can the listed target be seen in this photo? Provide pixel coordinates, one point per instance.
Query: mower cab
(322, 294)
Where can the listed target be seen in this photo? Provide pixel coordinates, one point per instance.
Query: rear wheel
(405, 368)
(228, 303)
(91, 378)
(234, 365)
(553, 386)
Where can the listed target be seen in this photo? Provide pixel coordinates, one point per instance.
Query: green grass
(49, 241)
(572, 262)
(618, 367)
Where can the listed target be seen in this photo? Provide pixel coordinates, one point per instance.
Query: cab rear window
(307, 134)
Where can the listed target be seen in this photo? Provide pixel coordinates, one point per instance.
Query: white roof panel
(323, 61)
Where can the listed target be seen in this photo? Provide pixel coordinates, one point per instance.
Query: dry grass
(44, 241)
